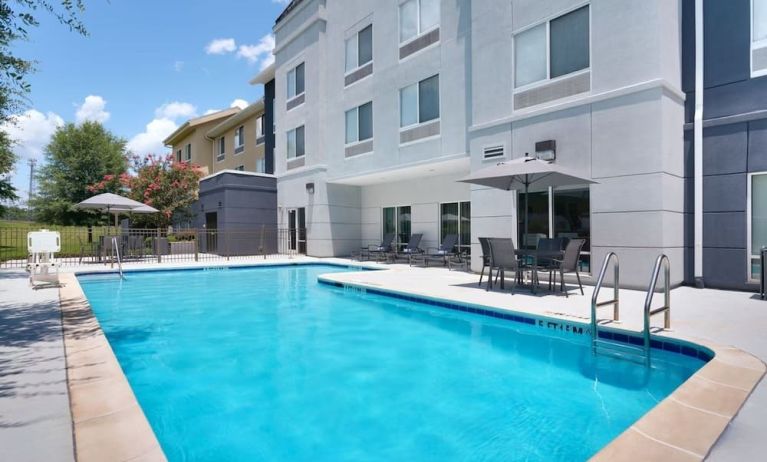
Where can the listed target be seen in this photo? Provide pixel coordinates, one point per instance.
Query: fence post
(158, 247)
(196, 248)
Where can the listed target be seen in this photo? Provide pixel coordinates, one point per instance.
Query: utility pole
(32, 163)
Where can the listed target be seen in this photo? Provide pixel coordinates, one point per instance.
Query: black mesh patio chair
(503, 258)
(380, 251)
(483, 242)
(412, 248)
(569, 263)
(547, 264)
(443, 253)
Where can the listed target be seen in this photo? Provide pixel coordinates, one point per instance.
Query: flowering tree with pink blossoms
(158, 181)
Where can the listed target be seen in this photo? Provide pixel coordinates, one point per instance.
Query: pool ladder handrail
(116, 252)
(662, 260)
(615, 301)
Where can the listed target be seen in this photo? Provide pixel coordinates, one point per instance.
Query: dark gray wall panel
(724, 193)
(757, 146)
(725, 149)
(727, 41)
(724, 230)
(725, 268)
(737, 98)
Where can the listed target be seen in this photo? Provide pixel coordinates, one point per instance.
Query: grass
(13, 238)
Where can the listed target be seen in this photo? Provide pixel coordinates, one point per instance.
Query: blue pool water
(266, 364)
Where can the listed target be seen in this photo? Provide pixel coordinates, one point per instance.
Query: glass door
(397, 220)
(297, 229)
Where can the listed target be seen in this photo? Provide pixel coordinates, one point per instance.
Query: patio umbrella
(523, 172)
(112, 203)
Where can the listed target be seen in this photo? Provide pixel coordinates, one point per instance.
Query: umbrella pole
(527, 195)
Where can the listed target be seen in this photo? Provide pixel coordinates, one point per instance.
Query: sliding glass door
(397, 220)
(455, 218)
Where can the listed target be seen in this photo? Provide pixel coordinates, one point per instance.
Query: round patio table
(535, 255)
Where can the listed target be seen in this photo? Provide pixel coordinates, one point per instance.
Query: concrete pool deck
(721, 317)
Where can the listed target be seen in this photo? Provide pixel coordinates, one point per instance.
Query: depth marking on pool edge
(562, 326)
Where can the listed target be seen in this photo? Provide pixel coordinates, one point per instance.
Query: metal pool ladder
(116, 253)
(632, 352)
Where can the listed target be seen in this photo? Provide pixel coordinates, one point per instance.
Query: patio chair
(547, 264)
(443, 253)
(483, 242)
(381, 250)
(503, 258)
(569, 263)
(412, 248)
(87, 249)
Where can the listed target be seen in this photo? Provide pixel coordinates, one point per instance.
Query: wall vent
(491, 152)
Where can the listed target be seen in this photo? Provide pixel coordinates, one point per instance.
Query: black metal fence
(99, 245)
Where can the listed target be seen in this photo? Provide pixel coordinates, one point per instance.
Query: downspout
(698, 145)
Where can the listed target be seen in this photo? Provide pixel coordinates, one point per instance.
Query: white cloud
(240, 103)
(221, 46)
(32, 131)
(178, 66)
(175, 110)
(259, 53)
(281, 2)
(92, 109)
(150, 140)
(211, 111)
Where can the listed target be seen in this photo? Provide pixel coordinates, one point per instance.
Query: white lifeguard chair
(42, 266)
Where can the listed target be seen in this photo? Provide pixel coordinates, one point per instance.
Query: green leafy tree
(77, 156)
(17, 18)
(168, 186)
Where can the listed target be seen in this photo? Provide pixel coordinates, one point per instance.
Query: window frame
(239, 140)
(261, 165)
(260, 129)
(418, 104)
(180, 155)
(547, 22)
(294, 71)
(356, 109)
(755, 45)
(420, 33)
(750, 258)
(188, 153)
(396, 243)
(356, 35)
(287, 143)
(221, 149)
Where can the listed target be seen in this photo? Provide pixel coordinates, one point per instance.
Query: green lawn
(13, 238)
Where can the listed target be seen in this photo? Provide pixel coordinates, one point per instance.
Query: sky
(145, 68)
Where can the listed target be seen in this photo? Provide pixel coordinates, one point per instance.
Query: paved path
(35, 422)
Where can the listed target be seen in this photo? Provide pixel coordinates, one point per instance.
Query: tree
(170, 187)
(76, 157)
(17, 17)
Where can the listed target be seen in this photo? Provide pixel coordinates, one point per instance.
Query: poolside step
(621, 350)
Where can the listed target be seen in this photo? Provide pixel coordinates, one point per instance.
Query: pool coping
(107, 418)
(684, 426)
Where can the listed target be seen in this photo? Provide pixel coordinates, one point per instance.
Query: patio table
(535, 255)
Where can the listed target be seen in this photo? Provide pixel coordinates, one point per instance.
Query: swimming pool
(267, 364)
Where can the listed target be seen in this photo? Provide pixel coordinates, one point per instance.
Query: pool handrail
(666, 308)
(616, 296)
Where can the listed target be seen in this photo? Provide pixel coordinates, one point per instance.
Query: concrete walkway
(35, 422)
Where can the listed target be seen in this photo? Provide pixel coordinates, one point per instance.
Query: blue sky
(145, 67)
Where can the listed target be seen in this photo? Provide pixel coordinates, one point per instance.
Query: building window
(296, 143)
(455, 218)
(757, 216)
(296, 81)
(221, 149)
(189, 152)
(260, 130)
(419, 103)
(359, 123)
(178, 155)
(759, 37)
(397, 220)
(552, 49)
(240, 168)
(261, 165)
(571, 218)
(417, 17)
(359, 49)
(239, 139)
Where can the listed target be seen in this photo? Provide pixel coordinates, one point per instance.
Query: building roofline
(263, 77)
(191, 123)
(250, 111)
(288, 9)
